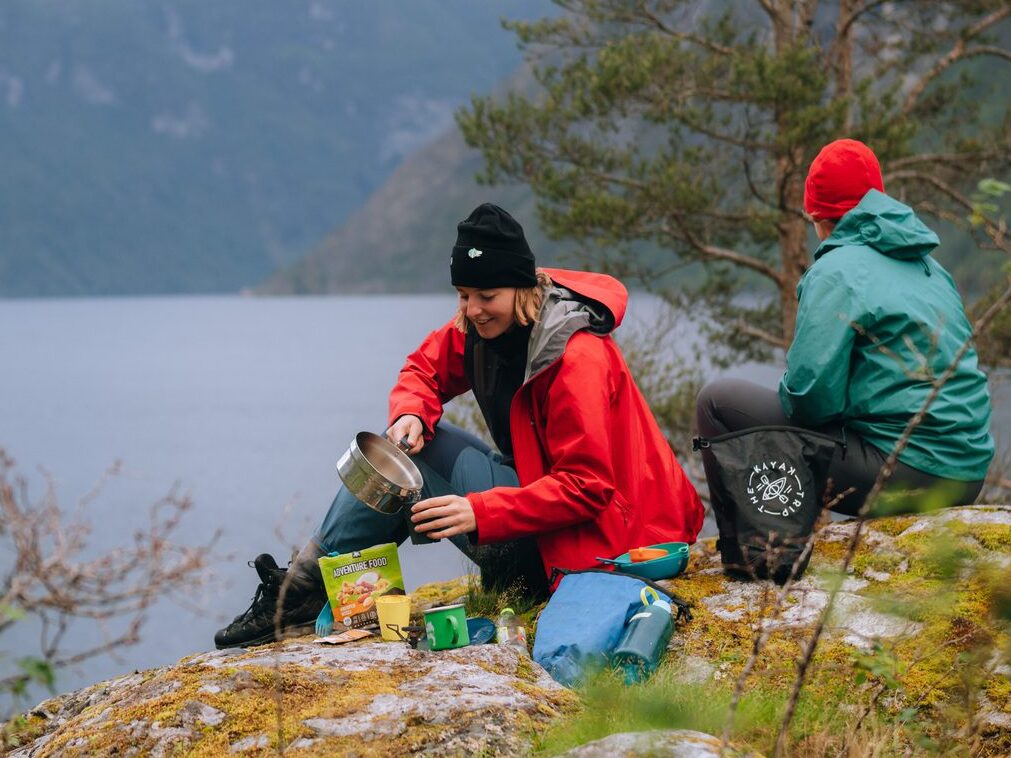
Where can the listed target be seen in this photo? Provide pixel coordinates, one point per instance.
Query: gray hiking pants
(731, 405)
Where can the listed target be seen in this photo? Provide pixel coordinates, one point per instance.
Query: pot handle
(404, 444)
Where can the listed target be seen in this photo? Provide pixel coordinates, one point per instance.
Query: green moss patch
(993, 537)
(893, 525)
(438, 593)
(889, 699)
(904, 691)
(22, 730)
(250, 710)
(829, 553)
(692, 588)
(880, 561)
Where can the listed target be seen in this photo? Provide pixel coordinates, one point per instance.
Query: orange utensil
(639, 554)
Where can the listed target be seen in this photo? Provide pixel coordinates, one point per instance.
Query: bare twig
(858, 10)
(764, 628)
(761, 637)
(47, 578)
(953, 159)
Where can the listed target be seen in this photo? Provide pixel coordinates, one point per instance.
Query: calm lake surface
(242, 403)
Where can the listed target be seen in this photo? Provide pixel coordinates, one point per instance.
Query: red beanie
(838, 179)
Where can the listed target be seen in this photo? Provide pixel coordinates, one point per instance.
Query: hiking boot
(303, 600)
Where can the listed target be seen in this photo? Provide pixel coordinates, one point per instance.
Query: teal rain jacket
(878, 321)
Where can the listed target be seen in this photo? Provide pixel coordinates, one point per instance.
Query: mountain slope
(187, 146)
(400, 240)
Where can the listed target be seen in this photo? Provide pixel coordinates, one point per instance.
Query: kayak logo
(775, 489)
(475, 253)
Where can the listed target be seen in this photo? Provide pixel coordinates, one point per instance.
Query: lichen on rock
(658, 743)
(375, 698)
(920, 603)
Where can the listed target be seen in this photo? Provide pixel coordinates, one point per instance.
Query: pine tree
(667, 132)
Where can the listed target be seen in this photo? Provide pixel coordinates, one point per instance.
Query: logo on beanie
(474, 253)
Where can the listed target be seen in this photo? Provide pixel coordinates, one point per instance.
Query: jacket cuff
(488, 530)
(427, 426)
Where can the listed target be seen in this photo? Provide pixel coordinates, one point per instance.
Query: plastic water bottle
(645, 639)
(509, 631)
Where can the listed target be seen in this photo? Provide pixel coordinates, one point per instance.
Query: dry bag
(766, 486)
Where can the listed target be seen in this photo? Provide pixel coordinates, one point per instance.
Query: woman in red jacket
(582, 471)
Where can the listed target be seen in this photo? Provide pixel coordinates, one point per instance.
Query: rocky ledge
(365, 698)
(927, 597)
(923, 591)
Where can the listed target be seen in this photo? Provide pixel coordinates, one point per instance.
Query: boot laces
(263, 594)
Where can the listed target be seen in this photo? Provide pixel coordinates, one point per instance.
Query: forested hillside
(400, 240)
(192, 146)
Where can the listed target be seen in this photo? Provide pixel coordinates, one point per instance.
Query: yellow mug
(394, 613)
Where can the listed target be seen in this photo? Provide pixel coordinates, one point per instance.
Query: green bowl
(665, 567)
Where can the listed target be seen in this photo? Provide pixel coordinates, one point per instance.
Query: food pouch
(354, 580)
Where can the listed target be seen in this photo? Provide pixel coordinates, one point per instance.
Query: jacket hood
(602, 289)
(884, 224)
(578, 300)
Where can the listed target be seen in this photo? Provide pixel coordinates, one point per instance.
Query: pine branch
(859, 10)
(742, 142)
(955, 159)
(753, 188)
(932, 180)
(753, 331)
(996, 229)
(957, 220)
(721, 253)
(658, 23)
(807, 12)
(770, 10)
(959, 52)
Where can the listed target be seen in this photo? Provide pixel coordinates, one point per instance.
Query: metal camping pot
(379, 473)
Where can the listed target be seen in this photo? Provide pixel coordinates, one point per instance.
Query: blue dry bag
(584, 619)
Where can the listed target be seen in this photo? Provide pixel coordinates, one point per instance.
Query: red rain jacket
(597, 476)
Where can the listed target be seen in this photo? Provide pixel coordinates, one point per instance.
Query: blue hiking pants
(454, 462)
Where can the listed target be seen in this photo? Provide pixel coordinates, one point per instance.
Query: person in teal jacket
(878, 322)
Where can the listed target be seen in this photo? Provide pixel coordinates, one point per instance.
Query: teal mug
(446, 627)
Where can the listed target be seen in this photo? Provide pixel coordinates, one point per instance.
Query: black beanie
(491, 251)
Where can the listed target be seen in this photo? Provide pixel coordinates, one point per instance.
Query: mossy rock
(925, 595)
(916, 648)
(368, 698)
(921, 615)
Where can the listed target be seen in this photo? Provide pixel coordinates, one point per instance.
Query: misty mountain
(192, 146)
(400, 241)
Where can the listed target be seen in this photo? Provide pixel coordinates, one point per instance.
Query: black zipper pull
(555, 574)
(699, 443)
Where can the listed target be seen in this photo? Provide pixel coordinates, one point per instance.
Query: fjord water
(242, 403)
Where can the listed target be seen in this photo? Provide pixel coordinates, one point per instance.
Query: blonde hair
(527, 307)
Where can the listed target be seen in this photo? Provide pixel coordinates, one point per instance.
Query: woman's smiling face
(491, 311)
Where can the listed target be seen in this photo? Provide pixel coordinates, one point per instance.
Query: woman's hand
(410, 427)
(443, 516)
